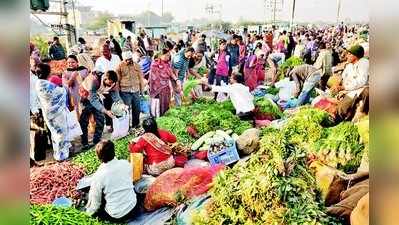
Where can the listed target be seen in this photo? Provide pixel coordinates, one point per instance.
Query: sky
(233, 10)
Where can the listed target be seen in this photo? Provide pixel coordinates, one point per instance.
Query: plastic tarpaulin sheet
(158, 217)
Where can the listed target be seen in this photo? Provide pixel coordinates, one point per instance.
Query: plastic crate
(225, 156)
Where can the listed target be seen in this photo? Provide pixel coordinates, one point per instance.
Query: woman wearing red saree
(154, 143)
(161, 74)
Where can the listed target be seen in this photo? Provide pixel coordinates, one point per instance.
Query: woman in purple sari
(161, 74)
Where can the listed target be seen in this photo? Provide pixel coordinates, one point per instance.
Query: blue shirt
(180, 63)
(234, 54)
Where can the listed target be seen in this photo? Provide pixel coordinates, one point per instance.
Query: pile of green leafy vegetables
(204, 115)
(215, 117)
(90, 162)
(177, 126)
(275, 185)
(267, 106)
(340, 147)
(272, 187)
(48, 214)
(305, 127)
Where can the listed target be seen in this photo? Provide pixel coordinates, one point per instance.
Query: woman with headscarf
(53, 102)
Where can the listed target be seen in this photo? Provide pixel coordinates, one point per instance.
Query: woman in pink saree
(161, 74)
(250, 73)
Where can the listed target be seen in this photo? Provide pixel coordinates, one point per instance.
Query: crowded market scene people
(207, 125)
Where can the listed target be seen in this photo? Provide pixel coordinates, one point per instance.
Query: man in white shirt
(111, 195)
(354, 80)
(103, 64)
(239, 95)
(107, 61)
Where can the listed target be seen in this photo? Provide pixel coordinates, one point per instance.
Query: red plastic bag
(180, 160)
(203, 155)
(189, 182)
(325, 104)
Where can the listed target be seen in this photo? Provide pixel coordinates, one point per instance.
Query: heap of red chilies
(50, 182)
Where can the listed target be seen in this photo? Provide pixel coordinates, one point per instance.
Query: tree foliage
(41, 43)
(100, 21)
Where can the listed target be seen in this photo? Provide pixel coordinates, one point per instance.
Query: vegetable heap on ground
(340, 147)
(90, 162)
(275, 185)
(272, 187)
(52, 181)
(267, 109)
(214, 141)
(305, 127)
(48, 214)
(203, 116)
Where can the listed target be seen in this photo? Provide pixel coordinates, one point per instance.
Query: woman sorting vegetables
(154, 142)
(161, 74)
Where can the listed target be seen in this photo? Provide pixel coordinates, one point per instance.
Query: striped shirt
(180, 63)
(145, 64)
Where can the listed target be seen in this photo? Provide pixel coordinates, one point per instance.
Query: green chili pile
(48, 214)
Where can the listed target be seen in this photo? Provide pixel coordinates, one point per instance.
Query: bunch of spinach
(341, 147)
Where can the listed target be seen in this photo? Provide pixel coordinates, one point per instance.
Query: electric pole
(274, 7)
(338, 9)
(292, 15)
(162, 9)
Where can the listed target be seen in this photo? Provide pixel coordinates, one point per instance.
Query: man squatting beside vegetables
(111, 195)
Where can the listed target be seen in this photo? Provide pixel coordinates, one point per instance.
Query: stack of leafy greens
(272, 187)
(177, 126)
(267, 106)
(204, 115)
(305, 127)
(340, 147)
(215, 117)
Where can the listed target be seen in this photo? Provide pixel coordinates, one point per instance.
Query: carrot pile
(58, 66)
(50, 182)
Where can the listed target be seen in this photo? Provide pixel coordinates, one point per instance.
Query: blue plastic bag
(144, 105)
